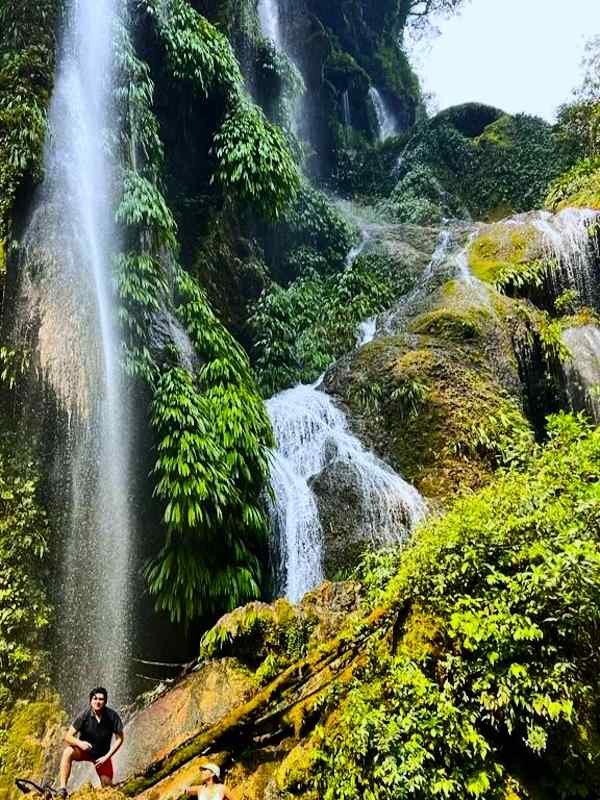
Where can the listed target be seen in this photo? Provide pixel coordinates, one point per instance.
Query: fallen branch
(250, 719)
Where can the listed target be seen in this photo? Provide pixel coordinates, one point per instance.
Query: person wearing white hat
(210, 786)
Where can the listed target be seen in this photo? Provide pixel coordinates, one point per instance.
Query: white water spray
(567, 241)
(583, 369)
(268, 12)
(386, 121)
(69, 250)
(311, 433)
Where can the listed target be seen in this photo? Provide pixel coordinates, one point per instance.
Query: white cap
(216, 771)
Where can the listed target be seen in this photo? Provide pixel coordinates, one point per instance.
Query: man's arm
(119, 741)
(228, 794)
(70, 738)
(191, 790)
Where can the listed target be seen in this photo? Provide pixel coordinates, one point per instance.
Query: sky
(518, 55)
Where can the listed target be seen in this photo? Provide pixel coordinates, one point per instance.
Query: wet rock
(198, 701)
(167, 333)
(339, 498)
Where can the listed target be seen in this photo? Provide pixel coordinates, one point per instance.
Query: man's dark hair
(99, 690)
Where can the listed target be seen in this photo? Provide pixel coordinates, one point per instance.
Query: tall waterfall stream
(67, 289)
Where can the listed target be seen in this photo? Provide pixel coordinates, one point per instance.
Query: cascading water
(311, 432)
(385, 119)
(346, 109)
(567, 241)
(268, 12)
(68, 297)
(582, 370)
(366, 331)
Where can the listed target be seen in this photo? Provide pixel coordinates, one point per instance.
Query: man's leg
(105, 773)
(70, 754)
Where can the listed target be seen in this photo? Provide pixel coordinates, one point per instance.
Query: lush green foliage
(24, 609)
(26, 72)
(578, 131)
(491, 689)
(211, 465)
(196, 51)
(578, 126)
(211, 426)
(300, 330)
(507, 168)
(579, 187)
(254, 162)
(313, 233)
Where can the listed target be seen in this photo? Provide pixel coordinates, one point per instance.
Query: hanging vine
(212, 431)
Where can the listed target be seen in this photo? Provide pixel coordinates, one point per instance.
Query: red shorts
(105, 769)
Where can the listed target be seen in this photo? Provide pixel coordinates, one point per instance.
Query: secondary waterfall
(583, 370)
(67, 300)
(346, 109)
(385, 119)
(566, 238)
(311, 432)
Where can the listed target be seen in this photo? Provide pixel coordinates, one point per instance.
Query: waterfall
(311, 434)
(567, 241)
(385, 119)
(67, 299)
(366, 331)
(346, 108)
(582, 371)
(268, 12)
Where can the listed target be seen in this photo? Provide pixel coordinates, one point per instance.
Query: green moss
(26, 729)
(505, 254)
(500, 132)
(450, 323)
(457, 430)
(271, 634)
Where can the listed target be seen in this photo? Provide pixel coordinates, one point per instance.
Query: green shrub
(300, 330)
(24, 609)
(26, 73)
(254, 162)
(579, 187)
(503, 695)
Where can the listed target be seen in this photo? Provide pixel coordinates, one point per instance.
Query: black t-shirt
(98, 734)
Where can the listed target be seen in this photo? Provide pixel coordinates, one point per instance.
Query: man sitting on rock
(210, 787)
(90, 738)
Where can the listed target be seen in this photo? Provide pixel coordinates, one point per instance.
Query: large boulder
(198, 701)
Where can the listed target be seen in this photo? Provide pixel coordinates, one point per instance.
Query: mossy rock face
(442, 403)
(505, 250)
(267, 637)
